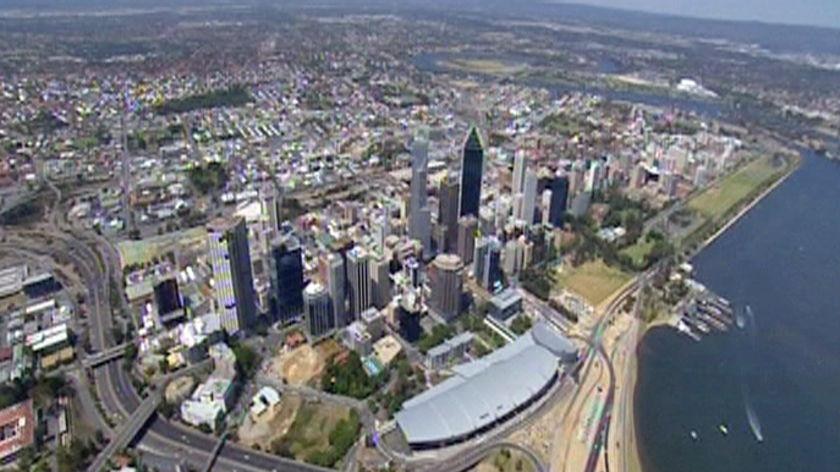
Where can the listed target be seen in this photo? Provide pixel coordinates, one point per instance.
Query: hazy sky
(809, 12)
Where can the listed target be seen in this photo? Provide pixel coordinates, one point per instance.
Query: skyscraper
(227, 248)
(446, 285)
(286, 275)
(529, 198)
(272, 203)
(381, 280)
(471, 169)
(419, 214)
(559, 194)
(467, 229)
(448, 212)
(317, 312)
(519, 166)
(487, 268)
(358, 282)
(335, 278)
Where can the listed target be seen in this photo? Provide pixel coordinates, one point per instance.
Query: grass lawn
(140, 252)
(639, 250)
(594, 281)
(311, 429)
(715, 201)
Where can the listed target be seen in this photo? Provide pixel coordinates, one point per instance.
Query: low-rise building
(212, 399)
(17, 429)
(506, 304)
(441, 355)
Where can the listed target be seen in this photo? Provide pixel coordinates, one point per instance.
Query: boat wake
(740, 318)
(752, 418)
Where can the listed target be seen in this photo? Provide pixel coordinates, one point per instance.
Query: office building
(408, 313)
(506, 304)
(520, 162)
(319, 319)
(380, 271)
(419, 214)
(272, 204)
(333, 274)
(168, 297)
(559, 195)
(448, 351)
(446, 286)
(230, 258)
(487, 268)
(448, 213)
(287, 284)
(358, 282)
(170, 306)
(472, 167)
(467, 230)
(528, 204)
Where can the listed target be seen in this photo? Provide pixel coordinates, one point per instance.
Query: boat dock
(703, 312)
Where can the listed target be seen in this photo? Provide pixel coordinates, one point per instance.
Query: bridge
(98, 358)
(128, 431)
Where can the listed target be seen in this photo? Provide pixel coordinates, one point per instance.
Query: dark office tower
(408, 313)
(471, 169)
(287, 278)
(334, 274)
(559, 194)
(167, 296)
(487, 268)
(448, 213)
(467, 229)
(230, 257)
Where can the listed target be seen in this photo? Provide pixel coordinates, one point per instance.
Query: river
(781, 371)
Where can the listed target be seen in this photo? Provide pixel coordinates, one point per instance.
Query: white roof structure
(487, 391)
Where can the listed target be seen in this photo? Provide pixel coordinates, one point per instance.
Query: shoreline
(749, 206)
(633, 461)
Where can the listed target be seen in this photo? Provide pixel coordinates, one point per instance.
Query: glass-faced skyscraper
(559, 195)
(287, 278)
(472, 165)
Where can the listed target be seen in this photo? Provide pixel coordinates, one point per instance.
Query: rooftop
(486, 390)
(17, 428)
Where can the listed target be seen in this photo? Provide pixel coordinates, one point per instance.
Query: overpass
(128, 431)
(98, 358)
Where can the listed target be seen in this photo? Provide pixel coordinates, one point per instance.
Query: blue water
(430, 62)
(783, 260)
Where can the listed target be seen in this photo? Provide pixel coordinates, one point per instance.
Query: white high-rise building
(529, 198)
(520, 163)
(233, 284)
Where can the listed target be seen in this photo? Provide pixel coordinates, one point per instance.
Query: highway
(164, 443)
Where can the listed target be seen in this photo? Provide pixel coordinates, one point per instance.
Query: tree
(247, 360)
(521, 324)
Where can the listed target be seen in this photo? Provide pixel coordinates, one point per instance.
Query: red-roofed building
(17, 429)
